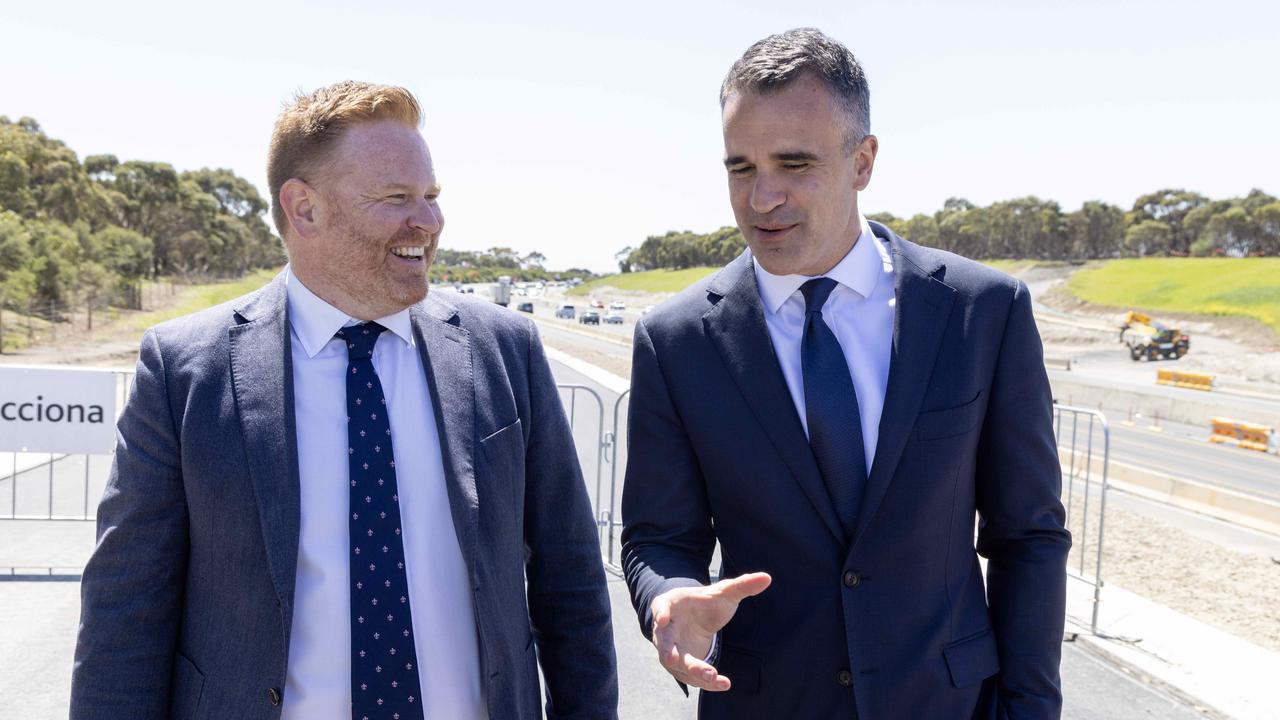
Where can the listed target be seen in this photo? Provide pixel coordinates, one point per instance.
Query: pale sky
(579, 128)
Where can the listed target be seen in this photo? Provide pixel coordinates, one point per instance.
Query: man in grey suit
(339, 496)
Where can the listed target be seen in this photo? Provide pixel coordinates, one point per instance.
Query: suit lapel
(923, 306)
(737, 328)
(446, 358)
(262, 381)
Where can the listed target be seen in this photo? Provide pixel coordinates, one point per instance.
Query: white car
(617, 306)
(647, 309)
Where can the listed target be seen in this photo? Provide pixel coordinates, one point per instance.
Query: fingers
(743, 586)
(692, 671)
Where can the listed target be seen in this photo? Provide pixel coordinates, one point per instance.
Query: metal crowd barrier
(1084, 447)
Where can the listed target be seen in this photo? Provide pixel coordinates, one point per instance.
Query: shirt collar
(858, 270)
(315, 321)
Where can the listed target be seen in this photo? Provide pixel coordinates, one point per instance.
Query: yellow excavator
(1152, 340)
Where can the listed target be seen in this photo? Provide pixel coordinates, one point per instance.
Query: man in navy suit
(833, 408)
(339, 497)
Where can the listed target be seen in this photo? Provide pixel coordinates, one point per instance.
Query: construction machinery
(1152, 340)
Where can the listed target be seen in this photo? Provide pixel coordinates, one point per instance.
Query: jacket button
(844, 678)
(851, 579)
(274, 696)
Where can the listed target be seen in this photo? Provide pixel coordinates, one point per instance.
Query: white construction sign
(46, 410)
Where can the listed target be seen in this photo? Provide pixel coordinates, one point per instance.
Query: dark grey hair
(777, 60)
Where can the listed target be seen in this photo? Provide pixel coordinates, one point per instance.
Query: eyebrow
(435, 187)
(785, 156)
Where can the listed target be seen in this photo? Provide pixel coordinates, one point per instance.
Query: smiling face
(793, 180)
(365, 231)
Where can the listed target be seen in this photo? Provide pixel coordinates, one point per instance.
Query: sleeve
(132, 587)
(1021, 528)
(568, 599)
(667, 535)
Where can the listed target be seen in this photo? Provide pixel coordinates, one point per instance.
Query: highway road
(1178, 450)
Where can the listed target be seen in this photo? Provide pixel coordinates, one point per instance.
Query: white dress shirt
(860, 312)
(318, 684)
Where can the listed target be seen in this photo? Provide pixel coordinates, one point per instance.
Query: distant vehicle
(1152, 340)
(597, 304)
(525, 307)
(613, 318)
(566, 311)
(469, 290)
(590, 317)
(647, 309)
(617, 305)
(502, 291)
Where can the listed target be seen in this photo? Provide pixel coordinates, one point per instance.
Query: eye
(795, 165)
(398, 197)
(740, 169)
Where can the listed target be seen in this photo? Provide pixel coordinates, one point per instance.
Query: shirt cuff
(713, 655)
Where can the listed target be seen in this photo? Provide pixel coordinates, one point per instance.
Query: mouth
(414, 254)
(772, 232)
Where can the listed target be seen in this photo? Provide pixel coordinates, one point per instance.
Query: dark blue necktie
(831, 408)
(384, 664)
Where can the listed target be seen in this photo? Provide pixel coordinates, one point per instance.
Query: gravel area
(1234, 591)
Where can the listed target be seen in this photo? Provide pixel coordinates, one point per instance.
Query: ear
(864, 160)
(300, 202)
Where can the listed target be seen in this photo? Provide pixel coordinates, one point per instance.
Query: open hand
(685, 620)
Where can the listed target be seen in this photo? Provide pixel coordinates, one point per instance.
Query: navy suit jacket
(188, 598)
(898, 623)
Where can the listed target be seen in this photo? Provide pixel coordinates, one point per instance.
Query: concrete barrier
(1168, 403)
(1229, 505)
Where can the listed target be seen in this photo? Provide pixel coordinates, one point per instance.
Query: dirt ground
(1234, 349)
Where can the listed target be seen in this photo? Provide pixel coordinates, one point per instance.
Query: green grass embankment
(1243, 287)
(654, 281)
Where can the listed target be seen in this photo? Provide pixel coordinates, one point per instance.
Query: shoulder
(972, 280)
(684, 311)
(206, 329)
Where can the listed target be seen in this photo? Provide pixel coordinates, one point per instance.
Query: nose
(766, 194)
(427, 217)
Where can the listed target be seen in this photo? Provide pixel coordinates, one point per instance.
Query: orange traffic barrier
(1224, 430)
(1193, 380)
(1254, 437)
(1249, 436)
(1188, 380)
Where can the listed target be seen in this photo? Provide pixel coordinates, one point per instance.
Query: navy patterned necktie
(384, 664)
(831, 408)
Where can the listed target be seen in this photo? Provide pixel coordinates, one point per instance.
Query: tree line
(468, 266)
(91, 232)
(1165, 223)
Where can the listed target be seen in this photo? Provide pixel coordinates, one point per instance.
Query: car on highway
(566, 311)
(613, 318)
(597, 304)
(617, 305)
(525, 307)
(647, 309)
(590, 317)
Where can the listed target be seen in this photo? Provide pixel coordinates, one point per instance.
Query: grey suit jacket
(188, 598)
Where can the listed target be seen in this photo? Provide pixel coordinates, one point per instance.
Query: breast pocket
(949, 422)
(503, 468)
